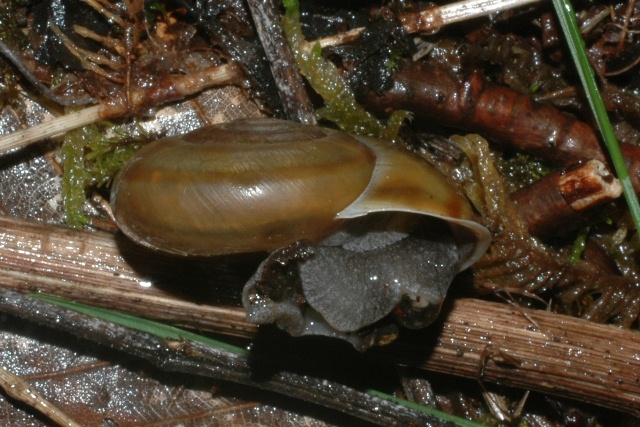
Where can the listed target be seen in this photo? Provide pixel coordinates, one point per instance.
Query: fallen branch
(491, 342)
(293, 94)
(496, 112)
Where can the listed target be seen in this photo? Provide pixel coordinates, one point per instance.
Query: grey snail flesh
(359, 291)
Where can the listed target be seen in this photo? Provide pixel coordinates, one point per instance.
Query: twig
(431, 20)
(295, 100)
(21, 390)
(89, 60)
(556, 354)
(167, 89)
(496, 112)
(15, 59)
(558, 201)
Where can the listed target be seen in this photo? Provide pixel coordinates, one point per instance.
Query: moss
(91, 156)
(340, 106)
(521, 170)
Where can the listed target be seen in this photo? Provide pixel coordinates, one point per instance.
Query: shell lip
(404, 182)
(462, 230)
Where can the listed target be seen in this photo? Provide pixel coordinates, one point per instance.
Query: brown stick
(558, 201)
(295, 99)
(497, 113)
(535, 350)
(524, 348)
(99, 269)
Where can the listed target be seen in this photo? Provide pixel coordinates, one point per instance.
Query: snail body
(260, 184)
(357, 229)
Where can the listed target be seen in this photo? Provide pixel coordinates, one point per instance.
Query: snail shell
(261, 184)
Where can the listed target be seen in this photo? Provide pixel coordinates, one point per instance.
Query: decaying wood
(481, 340)
(494, 111)
(558, 201)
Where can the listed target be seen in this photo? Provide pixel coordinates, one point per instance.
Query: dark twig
(294, 97)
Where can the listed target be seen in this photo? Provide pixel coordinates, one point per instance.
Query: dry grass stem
(51, 128)
(90, 268)
(470, 9)
(535, 350)
(22, 391)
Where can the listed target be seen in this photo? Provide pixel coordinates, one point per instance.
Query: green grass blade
(570, 28)
(139, 324)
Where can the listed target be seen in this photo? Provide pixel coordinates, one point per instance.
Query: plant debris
(506, 79)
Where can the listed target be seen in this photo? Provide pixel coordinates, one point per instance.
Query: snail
(321, 202)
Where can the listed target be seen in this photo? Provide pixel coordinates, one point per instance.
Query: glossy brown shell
(260, 184)
(243, 186)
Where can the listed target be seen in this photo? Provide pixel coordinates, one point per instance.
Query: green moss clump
(521, 170)
(324, 77)
(91, 156)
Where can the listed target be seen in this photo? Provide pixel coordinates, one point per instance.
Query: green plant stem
(566, 16)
